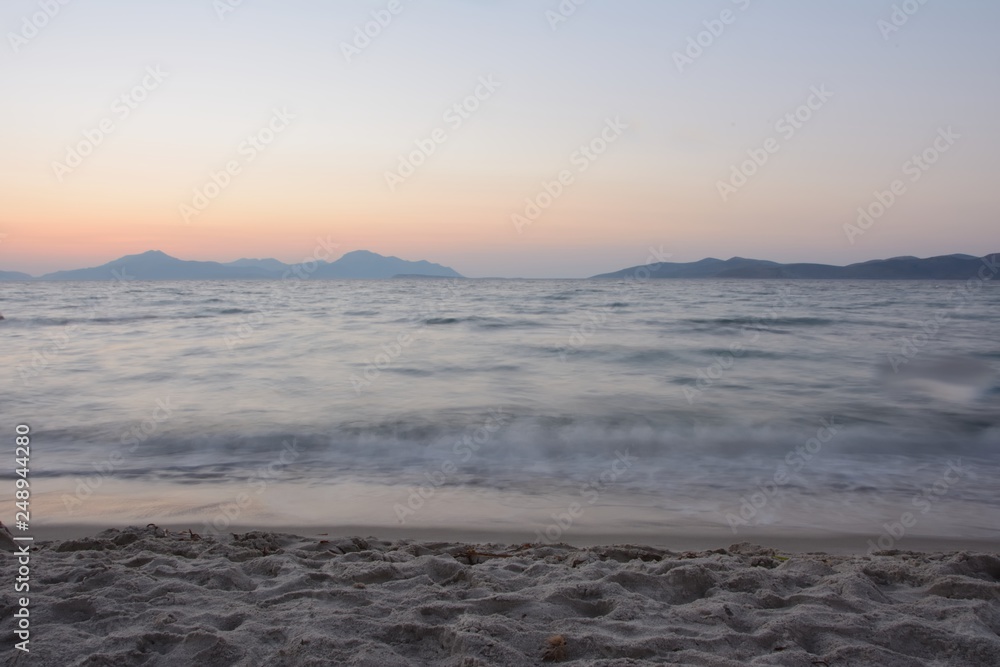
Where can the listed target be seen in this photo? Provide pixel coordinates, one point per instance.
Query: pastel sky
(683, 124)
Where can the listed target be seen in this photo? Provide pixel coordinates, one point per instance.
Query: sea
(544, 410)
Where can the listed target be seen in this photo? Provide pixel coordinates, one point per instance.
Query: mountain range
(944, 267)
(157, 265)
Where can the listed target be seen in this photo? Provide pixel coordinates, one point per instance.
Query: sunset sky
(345, 116)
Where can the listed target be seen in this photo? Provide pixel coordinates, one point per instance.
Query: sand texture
(145, 596)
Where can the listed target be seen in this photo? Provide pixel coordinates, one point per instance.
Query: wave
(523, 437)
(482, 322)
(751, 353)
(28, 322)
(764, 320)
(534, 460)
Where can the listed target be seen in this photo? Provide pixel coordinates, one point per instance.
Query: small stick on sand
(471, 554)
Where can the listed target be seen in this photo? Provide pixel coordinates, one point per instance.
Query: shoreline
(674, 540)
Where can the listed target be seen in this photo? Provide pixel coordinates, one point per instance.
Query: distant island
(944, 267)
(363, 264)
(157, 265)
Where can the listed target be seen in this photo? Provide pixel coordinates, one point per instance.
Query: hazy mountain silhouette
(268, 264)
(944, 267)
(365, 264)
(157, 265)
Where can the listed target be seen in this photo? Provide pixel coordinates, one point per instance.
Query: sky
(584, 134)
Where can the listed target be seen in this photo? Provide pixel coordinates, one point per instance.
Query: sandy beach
(153, 596)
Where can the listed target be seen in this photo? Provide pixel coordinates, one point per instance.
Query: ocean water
(545, 408)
